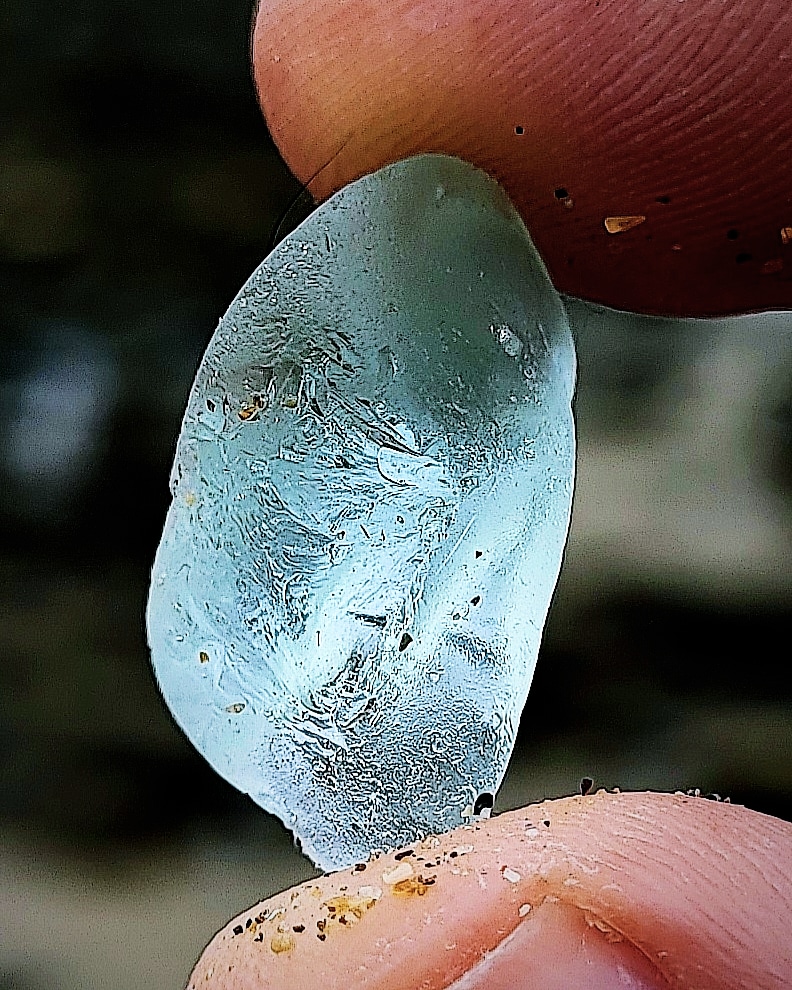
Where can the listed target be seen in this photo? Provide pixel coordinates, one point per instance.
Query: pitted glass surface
(371, 495)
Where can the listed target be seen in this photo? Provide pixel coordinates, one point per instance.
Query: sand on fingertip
(702, 889)
(631, 135)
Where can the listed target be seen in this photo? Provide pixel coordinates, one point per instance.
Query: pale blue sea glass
(371, 495)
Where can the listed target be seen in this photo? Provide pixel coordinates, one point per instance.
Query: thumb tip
(701, 890)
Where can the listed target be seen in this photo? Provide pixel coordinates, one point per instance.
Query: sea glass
(371, 495)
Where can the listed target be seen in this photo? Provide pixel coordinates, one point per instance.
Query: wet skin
(676, 115)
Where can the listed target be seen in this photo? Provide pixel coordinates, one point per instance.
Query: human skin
(677, 111)
(638, 890)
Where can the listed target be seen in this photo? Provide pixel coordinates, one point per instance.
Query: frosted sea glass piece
(371, 495)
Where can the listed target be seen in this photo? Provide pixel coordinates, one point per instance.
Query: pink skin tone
(677, 113)
(674, 113)
(635, 890)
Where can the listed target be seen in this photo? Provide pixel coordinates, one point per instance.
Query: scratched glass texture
(371, 495)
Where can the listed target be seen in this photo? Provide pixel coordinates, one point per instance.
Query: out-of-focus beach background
(138, 191)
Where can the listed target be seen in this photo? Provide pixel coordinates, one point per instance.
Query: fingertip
(625, 131)
(557, 950)
(670, 888)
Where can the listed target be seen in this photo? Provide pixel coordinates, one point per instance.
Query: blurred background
(138, 191)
